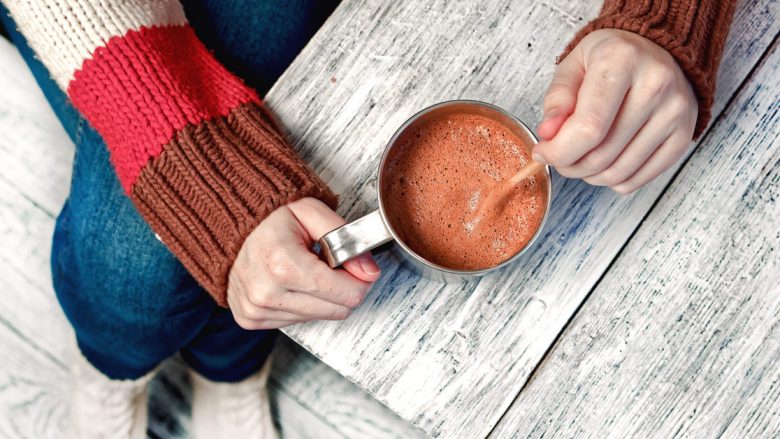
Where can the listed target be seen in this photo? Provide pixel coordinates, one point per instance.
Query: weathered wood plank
(340, 408)
(32, 389)
(298, 422)
(451, 358)
(25, 126)
(682, 336)
(32, 384)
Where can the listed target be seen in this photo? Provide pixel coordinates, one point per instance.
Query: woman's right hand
(276, 279)
(619, 112)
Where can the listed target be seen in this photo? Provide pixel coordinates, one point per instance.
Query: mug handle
(353, 239)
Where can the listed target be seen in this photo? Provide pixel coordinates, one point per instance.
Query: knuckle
(612, 176)
(244, 308)
(596, 161)
(245, 323)
(619, 49)
(678, 106)
(664, 75)
(260, 297)
(629, 50)
(555, 94)
(352, 300)
(591, 128)
(660, 81)
(608, 74)
(553, 156)
(281, 270)
(341, 313)
(623, 189)
(355, 299)
(251, 311)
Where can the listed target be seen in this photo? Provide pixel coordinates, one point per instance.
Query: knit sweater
(194, 148)
(692, 31)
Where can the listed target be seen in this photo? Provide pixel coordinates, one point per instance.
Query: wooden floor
(310, 399)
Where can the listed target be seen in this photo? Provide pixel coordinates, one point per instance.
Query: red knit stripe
(140, 89)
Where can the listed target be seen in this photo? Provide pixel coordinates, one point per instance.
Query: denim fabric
(132, 304)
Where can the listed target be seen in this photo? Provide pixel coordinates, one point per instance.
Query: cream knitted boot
(232, 410)
(104, 408)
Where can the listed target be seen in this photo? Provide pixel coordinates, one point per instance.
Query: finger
(253, 312)
(298, 269)
(561, 96)
(250, 317)
(363, 267)
(639, 149)
(315, 217)
(318, 219)
(337, 286)
(307, 306)
(633, 114)
(274, 324)
(254, 325)
(598, 101)
(663, 157)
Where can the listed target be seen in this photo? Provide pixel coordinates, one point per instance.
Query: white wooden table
(650, 315)
(655, 313)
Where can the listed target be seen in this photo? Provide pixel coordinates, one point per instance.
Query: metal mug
(374, 229)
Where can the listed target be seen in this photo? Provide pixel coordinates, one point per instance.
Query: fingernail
(368, 265)
(538, 158)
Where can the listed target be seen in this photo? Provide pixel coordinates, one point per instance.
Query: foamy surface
(436, 177)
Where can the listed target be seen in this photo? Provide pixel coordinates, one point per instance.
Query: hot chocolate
(435, 177)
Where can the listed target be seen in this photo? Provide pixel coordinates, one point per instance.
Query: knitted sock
(104, 408)
(232, 410)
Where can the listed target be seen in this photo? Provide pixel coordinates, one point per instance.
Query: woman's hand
(277, 281)
(618, 112)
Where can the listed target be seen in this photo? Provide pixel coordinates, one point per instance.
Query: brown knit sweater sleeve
(692, 31)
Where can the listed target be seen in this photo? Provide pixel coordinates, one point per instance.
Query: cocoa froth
(435, 177)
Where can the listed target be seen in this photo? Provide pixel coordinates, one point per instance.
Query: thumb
(318, 219)
(561, 96)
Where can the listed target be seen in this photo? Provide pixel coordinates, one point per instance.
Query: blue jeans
(131, 303)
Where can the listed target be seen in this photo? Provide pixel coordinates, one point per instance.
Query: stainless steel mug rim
(389, 226)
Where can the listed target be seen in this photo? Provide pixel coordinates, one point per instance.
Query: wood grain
(682, 336)
(32, 385)
(452, 358)
(28, 123)
(339, 408)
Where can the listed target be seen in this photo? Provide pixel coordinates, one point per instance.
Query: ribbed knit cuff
(693, 32)
(212, 185)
